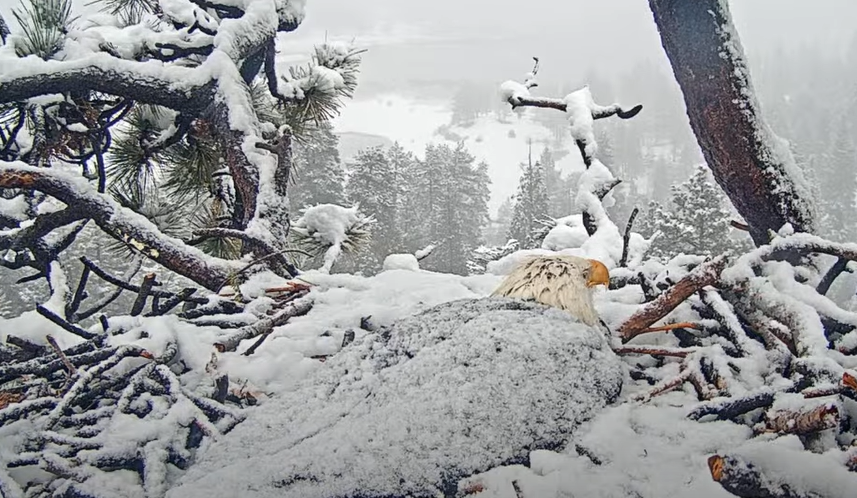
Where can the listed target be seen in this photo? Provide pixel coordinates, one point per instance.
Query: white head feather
(558, 281)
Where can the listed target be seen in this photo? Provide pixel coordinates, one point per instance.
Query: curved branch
(151, 82)
(120, 223)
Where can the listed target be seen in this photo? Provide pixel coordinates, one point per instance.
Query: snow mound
(401, 262)
(328, 223)
(409, 411)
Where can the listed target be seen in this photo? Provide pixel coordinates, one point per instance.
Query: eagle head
(596, 274)
(560, 281)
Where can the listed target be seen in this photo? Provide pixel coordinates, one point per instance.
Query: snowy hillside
(502, 144)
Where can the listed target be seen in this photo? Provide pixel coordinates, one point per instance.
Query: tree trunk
(753, 166)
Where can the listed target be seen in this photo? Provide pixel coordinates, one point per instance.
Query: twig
(131, 287)
(142, 294)
(735, 407)
(266, 325)
(74, 305)
(740, 226)
(664, 386)
(68, 365)
(656, 351)
(74, 329)
(172, 302)
(832, 274)
(626, 240)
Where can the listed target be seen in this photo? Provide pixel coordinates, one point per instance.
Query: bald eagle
(563, 282)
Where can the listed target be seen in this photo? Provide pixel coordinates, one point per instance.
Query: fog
(454, 40)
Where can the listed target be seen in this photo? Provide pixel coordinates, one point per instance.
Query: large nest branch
(148, 82)
(703, 275)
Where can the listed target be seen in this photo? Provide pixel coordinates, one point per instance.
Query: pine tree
(696, 222)
(318, 172)
(404, 172)
(372, 186)
(531, 205)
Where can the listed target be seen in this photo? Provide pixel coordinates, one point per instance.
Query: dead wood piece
(143, 294)
(703, 275)
(735, 407)
(265, 326)
(7, 399)
(665, 386)
(803, 421)
(821, 392)
(74, 329)
(626, 240)
(849, 381)
(656, 351)
(68, 365)
(347, 338)
(745, 480)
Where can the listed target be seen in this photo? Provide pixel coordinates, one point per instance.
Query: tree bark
(751, 164)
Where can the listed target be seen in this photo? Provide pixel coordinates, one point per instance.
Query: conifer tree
(531, 205)
(696, 221)
(560, 200)
(372, 186)
(319, 175)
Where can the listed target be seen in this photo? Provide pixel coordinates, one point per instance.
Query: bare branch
(627, 238)
(74, 329)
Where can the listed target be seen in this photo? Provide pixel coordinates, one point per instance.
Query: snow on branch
(579, 106)
(151, 82)
(120, 223)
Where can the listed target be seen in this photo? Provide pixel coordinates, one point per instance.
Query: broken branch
(703, 275)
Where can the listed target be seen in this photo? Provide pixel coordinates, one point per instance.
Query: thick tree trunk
(753, 166)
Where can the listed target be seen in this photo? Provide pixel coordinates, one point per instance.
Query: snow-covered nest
(410, 410)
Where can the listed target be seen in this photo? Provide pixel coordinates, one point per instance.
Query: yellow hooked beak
(598, 274)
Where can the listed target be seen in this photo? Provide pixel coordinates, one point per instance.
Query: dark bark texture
(707, 59)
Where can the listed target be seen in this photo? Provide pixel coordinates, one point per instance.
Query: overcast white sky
(494, 39)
